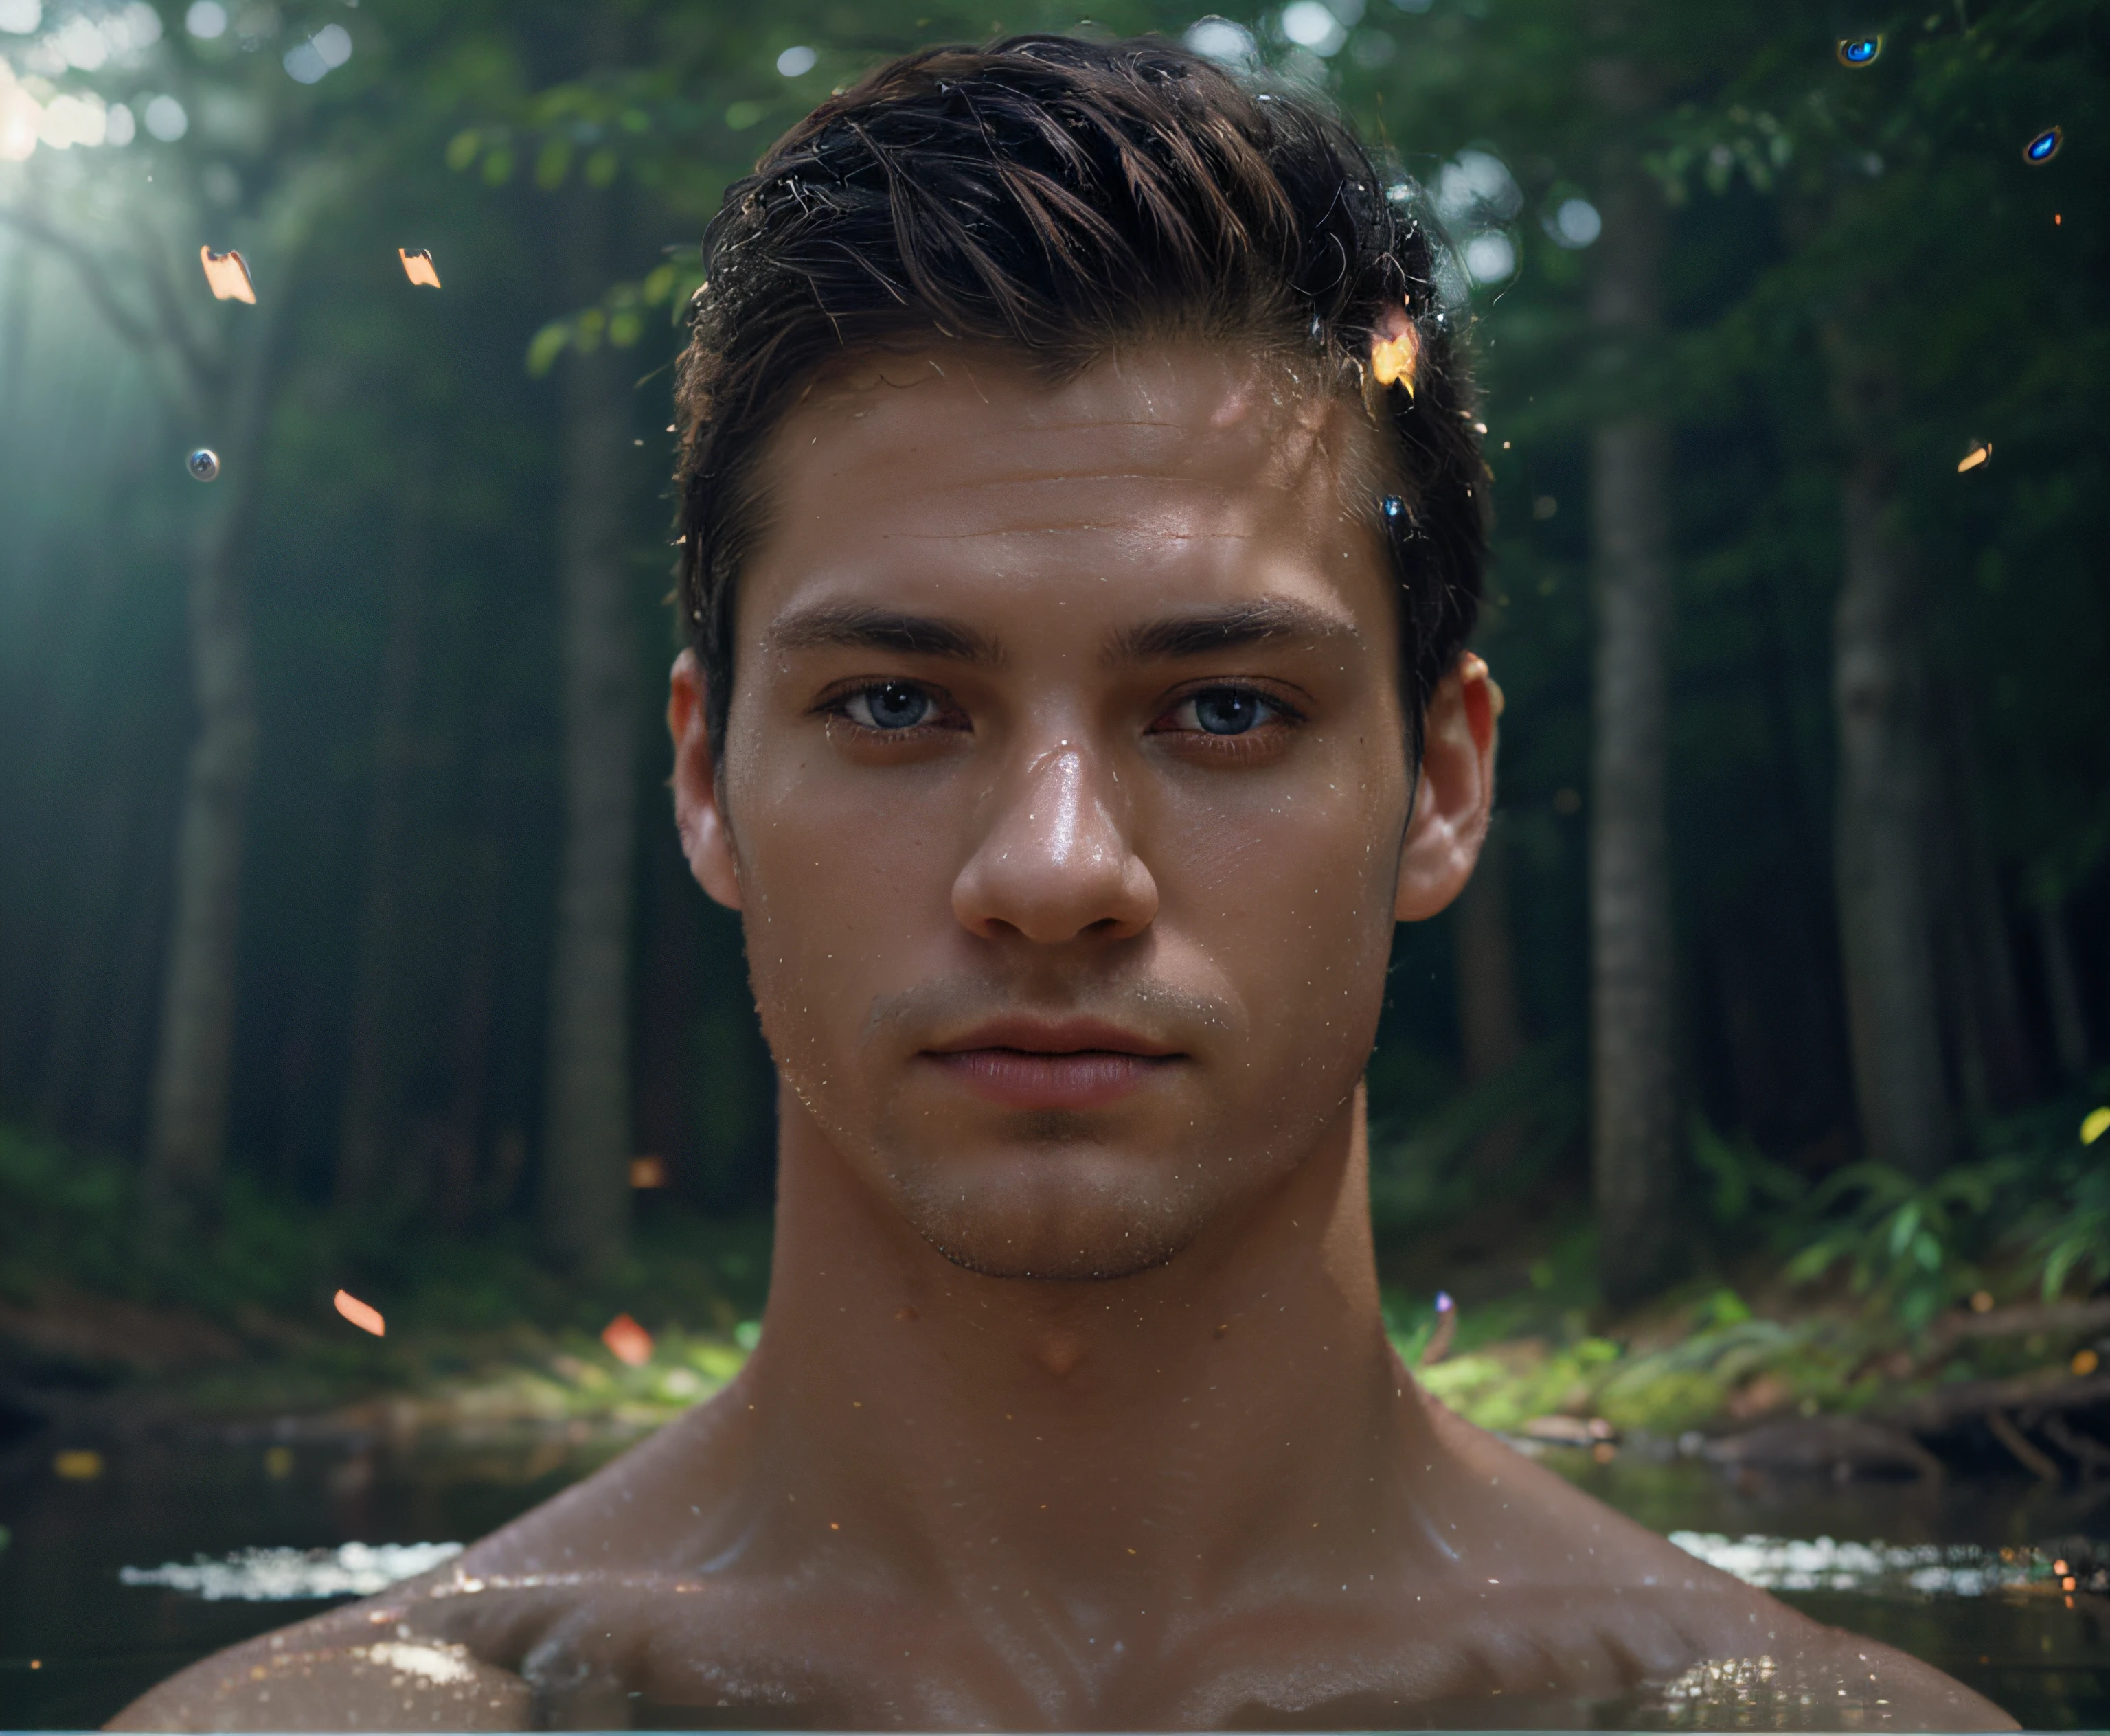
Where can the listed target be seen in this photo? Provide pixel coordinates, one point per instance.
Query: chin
(1051, 1215)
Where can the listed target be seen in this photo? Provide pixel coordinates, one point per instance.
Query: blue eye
(892, 705)
(1228, 710)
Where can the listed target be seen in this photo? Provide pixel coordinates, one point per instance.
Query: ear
(1455, 794)
(699, 814)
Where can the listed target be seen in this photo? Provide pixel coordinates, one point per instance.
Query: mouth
(1052, 1064)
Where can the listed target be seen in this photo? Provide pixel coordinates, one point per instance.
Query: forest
(345, 945)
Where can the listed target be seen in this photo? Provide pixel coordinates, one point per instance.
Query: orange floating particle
(2085, 1363)
(227, 275)
(77, 1465)
(627, 1341)
(418, 266)
(648, 1172)
(1981, 1301)
(1981, 453)
(363, 1315)
(1395, 353)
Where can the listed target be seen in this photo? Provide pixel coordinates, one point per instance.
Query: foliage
(2061, 1216)
(1428, 1175)
(2037, 1206)
(67, 1222)
(1745, 1181)
(1903, 1239)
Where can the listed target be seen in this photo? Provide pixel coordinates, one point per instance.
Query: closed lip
(1038, 1037)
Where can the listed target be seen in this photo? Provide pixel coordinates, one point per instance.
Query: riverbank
(1786, 1382)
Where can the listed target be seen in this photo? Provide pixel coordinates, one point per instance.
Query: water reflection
(217, 1536)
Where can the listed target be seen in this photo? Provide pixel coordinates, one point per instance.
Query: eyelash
(835, 704)
(1264, 741)
(1284, 715)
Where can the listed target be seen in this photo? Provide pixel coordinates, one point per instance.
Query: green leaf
(547, 346)
(553, 163)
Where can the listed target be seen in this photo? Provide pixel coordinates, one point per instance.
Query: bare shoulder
(338, 1671)
(1718, 1653)
(437, 1653)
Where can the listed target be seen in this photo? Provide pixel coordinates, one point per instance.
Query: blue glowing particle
(1859, 51)
(204, 464)
(2045, 146)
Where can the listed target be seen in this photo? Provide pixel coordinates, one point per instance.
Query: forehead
(1170, 472)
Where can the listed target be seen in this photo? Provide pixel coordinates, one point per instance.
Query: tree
(216, 375)
(1880, 819)
(1633, 1128)
(585, 1180)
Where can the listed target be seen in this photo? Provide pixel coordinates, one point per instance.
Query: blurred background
(1744, 1111)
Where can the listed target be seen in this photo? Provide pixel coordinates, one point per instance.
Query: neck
(1170, 1430)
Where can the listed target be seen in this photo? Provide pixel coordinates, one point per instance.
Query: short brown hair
(1058, 197)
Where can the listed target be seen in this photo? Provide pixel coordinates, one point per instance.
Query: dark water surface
(76, 1643)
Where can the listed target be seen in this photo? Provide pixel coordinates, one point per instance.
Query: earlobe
(1456, 795)
(699, 811)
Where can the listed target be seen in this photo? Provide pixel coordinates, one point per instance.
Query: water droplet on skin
(1859, 51)
(2045, 146)
(204, 465)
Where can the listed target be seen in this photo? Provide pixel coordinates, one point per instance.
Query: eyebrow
(857, 626)
(1227, 630)
(860, 626)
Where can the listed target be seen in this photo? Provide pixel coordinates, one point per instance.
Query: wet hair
(1056, 199)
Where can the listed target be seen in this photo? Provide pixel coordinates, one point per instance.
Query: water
(98, 1641)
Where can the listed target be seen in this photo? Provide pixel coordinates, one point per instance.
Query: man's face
(1065, 788)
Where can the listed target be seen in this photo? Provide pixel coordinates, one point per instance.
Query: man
(1081, 537)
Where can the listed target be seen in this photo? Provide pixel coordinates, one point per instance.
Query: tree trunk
(585, 1174)
(194, 1047)
(1490, 1020)
(371, 1106)
(1633, 1143)
(476, 983)
(1885, 916)
(1989, 1002)
(2069, 1024)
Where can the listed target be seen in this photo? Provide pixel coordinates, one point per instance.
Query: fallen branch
(2062, 1318)
(2019, 1447)
(2046, 1391)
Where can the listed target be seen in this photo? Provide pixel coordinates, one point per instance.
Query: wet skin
(1065, 799)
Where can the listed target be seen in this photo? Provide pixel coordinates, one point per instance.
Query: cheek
(838, 885)
(1291, 890)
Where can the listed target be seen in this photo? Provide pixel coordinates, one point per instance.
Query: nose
(1055, 864)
